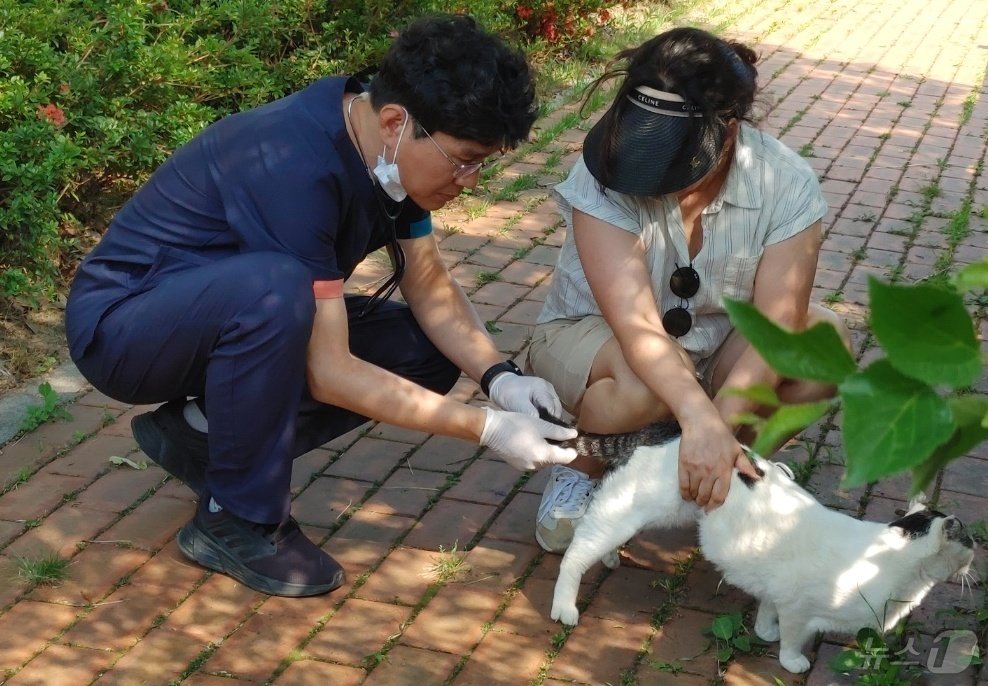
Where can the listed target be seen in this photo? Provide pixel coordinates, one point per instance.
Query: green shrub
(94, 94)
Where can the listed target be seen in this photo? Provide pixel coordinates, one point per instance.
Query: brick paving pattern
(886, 100)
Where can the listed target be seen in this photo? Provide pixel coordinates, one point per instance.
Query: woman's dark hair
(454, 77)
(715, 76)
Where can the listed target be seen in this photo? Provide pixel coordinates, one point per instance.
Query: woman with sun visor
(676, 203)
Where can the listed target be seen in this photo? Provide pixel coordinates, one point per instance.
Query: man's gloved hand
(525, 394)
(521, 440)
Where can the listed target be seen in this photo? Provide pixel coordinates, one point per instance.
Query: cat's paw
(767, 631)
(611, 560)
(567, 614)
(797, 663)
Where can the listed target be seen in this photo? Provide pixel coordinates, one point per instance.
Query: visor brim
(652, 153)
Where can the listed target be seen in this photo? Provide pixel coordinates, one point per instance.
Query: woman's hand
(708, 455)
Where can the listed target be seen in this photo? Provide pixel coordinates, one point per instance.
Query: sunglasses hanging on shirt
(684, 284)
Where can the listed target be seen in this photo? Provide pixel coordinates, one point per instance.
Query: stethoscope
(391, 285)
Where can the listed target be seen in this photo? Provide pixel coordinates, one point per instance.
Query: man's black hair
(455, 77)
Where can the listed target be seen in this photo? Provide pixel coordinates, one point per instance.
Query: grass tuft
(48, 570)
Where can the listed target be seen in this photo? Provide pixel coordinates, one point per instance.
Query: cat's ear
(918, 503)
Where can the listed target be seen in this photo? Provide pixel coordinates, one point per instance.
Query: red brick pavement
(446, 586)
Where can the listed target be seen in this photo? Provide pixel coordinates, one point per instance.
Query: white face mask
(387, 172)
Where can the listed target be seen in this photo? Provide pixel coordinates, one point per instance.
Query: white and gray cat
(811, 568)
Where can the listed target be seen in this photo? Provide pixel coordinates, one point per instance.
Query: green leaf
(869, 640)
(724, 653)
(114, 459)
(722, 627)
(763, 394)
(787, 421)
(736, 621)
(970, 413)
(973, 276)
(748, 418)
(48, 395)
(817, 353)
(742, 643)
(846, 661)
(890, 422)
(926, 332)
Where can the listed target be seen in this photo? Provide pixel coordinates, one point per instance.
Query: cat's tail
(614, 449)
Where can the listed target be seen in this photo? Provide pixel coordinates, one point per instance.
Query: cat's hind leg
(593, 540)
(767, 621)
(793, 634)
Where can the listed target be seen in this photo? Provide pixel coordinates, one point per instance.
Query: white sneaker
(564, 502)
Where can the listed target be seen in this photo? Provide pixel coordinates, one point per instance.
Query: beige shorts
(563, 351)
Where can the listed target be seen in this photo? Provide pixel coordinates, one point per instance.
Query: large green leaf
(891, 422)
(817, 353)
(762, 394)
(970, 415)
(973, 276)
(926, 332)
(787, 421)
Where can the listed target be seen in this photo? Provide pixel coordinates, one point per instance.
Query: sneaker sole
(152, 443)
(199, 547)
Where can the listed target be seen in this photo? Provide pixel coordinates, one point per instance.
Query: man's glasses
(460, 170)
(684, 283)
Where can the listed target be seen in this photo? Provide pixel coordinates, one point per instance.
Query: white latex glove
(524, 394)
(520, 439)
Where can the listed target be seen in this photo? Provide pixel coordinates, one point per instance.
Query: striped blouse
(770, 195)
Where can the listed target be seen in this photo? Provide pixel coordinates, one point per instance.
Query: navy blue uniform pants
(236, 333)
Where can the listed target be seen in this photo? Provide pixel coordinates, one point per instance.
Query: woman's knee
(617, 398)
(816, 314)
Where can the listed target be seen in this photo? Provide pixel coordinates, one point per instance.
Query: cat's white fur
(811, 568)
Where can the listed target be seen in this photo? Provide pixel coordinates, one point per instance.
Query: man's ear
(391, 118)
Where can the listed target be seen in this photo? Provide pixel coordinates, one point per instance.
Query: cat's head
(942, 541)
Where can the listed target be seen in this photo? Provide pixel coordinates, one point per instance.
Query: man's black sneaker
(167, 438)
(276, 559)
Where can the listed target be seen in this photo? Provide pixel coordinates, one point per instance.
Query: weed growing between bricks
(196, 662)
(372, 661)
(509, 594)
(675, 587)
(68, 498)
(45, 570)
(957, 230)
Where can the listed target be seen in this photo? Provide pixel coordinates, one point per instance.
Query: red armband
(326, 290)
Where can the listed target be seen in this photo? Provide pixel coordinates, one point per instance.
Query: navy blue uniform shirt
(284, 177)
